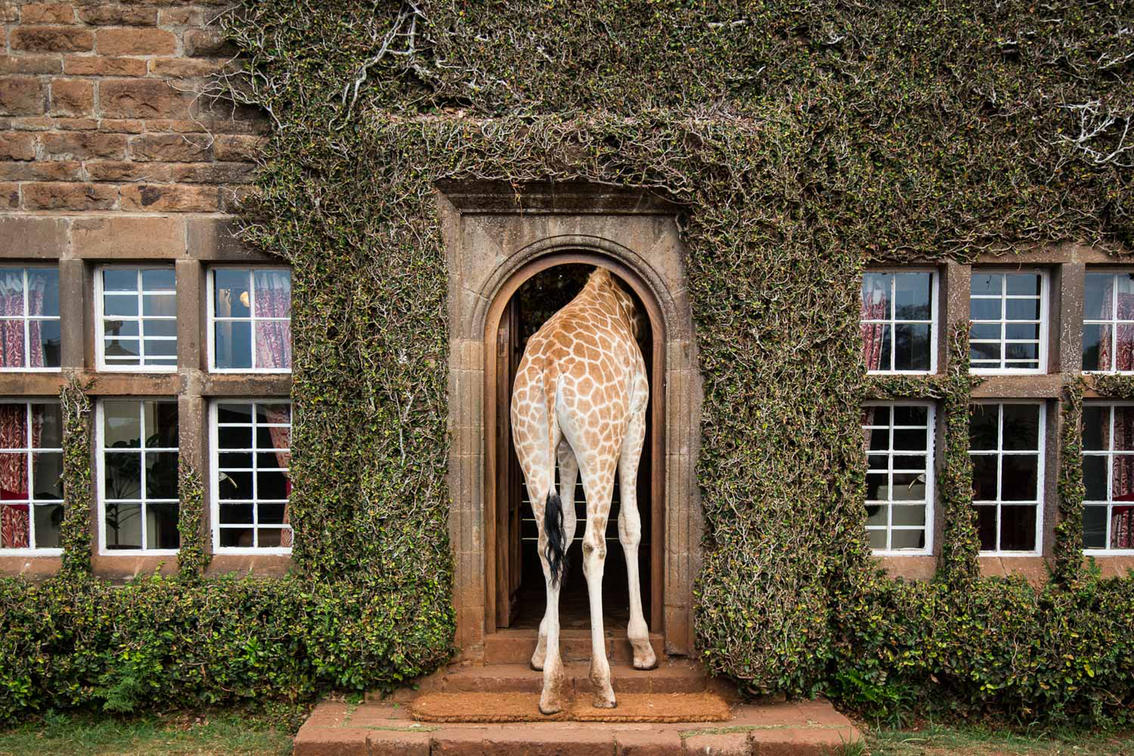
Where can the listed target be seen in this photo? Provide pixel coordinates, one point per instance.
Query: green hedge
(803, 142)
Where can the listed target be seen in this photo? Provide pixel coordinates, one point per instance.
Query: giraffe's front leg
(630, 536)
(568, 476)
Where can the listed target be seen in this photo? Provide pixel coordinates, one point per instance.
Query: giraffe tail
(553, 527)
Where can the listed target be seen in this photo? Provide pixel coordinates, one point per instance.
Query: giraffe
(579, 398)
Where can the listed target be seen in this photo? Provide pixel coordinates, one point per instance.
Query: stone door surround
(498, 235)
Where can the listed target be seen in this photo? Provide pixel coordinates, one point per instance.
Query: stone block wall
(103, 107)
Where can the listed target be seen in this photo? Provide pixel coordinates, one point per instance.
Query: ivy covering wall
(803, 141)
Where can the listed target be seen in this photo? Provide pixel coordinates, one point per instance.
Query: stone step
(804, 727)
(517, 646)
(673, 676)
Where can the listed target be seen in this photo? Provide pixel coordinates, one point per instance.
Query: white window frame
(891, 321)
(214, 475)
(100, 469)
(1114, 322)
(1041, 461)
(930, 478)
(28, 451)
(252, 319)
(1109, 455)
(100, 321)
(1044, 319)
(27, 318)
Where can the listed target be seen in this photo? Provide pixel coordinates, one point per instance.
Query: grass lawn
(938, 740)
(214, 732)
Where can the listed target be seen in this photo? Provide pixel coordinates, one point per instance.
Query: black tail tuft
(553, 527)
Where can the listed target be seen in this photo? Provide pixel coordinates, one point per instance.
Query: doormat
(524, 707)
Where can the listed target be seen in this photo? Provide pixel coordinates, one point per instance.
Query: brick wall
(100, 110)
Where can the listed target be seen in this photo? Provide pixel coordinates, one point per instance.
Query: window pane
(1092, 334)
(985, 331)
(1122, 478)
(1022, 331)
(46, 343)
(875, 296)
(913, 296)
(911, 415)
(122, 351)
(985, 353)
(47, 474)
(12, 354)
(1096, 421)
(876, 487)
(1094, 477)
(986, 283)
(120, 279)
(983, 425)
(161, 526)
(1019, 478)
(1094, 527)
(1097, 296)
(234, 438)
(270, 537)
(877, 515)
(1017, 528)
(1021, 309)
(878, 540)
(275, 413)
(236, 537)
(48, 519)
(233, 345)
(272, 485)
(1123, 428)
(161, 424)
(984, 477)
(1018, 351)
(47, 424)
(122, 475)
(910, 439)
(125, 305)
(159, 304)
(228, 412)
(906, 515)
(908, 539)
(876, 346)
(235, 514)
(1022, 283)
(1124, 282)
(123, 526)
(911, 350)
(12, 292)
(230, 293)
(167, 328)
(985, 309)
(986, 527)
(15, 528)
(273, 293)
(1122, 528)
(1021, 426)
(121, 424)
(161, 475)
(1123, 357)
(236, 485)
(271, 514)
(13, 425)
(43, 291)
(273, 344)
(159, 279)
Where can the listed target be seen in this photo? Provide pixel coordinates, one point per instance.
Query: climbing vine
(803, 143)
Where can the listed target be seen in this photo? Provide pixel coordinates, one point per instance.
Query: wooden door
(509, 557)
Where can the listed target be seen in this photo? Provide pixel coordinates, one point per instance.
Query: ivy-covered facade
(800, 148)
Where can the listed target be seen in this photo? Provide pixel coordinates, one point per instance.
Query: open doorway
(520, 593)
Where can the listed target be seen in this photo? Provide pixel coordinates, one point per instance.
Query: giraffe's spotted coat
(579, 398)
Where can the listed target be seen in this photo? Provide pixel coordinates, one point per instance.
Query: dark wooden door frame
(498, 431)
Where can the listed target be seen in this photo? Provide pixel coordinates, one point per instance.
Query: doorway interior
(520, 591)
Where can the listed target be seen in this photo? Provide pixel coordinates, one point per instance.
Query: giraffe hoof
(605, 700)
(549, 706)
(645, 660)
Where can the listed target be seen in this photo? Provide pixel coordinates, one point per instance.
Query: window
(1009, 321)
(31, 472)
(137, 449)
(251, 443)
(899, 478)
(1006, 445)
(137, 318)
(1108, 475)
(1108, 323)
(250, 320)
(898, 321)
(29, 318)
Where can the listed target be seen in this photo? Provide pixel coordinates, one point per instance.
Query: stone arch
(492, 247)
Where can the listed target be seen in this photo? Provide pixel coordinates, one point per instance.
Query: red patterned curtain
(281, 441)
(14, 518)
(12, 310)
(273, 337)
(1122, 516)
(1123, 352)
(37, 290)
(873, 308)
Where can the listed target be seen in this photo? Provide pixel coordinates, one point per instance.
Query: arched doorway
(516, 589)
